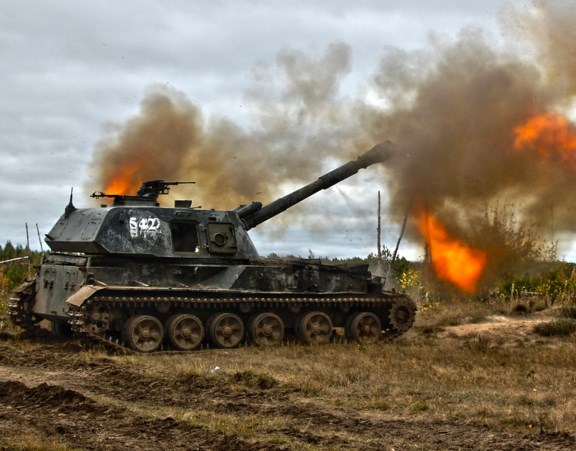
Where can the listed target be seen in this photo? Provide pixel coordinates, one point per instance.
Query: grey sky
(71, 69)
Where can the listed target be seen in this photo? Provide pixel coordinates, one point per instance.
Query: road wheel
(266, 329)
(314, 328)
(364, 327)
(143, 333)
(185, 332)
(225, 330)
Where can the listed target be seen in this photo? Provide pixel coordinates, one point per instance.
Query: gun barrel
(377, 154)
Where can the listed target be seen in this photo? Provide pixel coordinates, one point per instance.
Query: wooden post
(39, 239)
(27, 236)
(379, 231)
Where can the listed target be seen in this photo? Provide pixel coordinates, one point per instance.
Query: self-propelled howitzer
(149, 277)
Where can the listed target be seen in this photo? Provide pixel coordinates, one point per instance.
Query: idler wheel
(185, 332)
(266, 329)
(402, 314)
(225, 330)
(314, 328)
(143, 333)
(364, 327)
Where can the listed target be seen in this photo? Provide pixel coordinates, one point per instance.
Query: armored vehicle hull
(148, 278)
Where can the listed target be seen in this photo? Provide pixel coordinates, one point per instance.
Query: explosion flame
(452, 260)
(551, 135)
(126, 180)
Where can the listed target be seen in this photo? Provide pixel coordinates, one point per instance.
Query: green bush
(551, 281)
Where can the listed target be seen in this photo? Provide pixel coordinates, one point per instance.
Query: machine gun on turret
(153, 188)
(148, 193)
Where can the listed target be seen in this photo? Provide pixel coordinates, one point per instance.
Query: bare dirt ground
(63, 395)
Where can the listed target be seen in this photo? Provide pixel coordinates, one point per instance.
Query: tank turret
(149, 277)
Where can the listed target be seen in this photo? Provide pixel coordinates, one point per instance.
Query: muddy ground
(60, 395)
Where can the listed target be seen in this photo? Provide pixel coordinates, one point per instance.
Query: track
(144, 319)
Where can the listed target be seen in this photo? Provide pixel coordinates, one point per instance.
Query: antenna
(70, 207)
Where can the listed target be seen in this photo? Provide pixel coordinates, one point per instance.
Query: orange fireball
(452, 260)
(125, 180)
(550, 134)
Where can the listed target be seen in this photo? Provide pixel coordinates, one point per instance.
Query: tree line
(12, 271)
